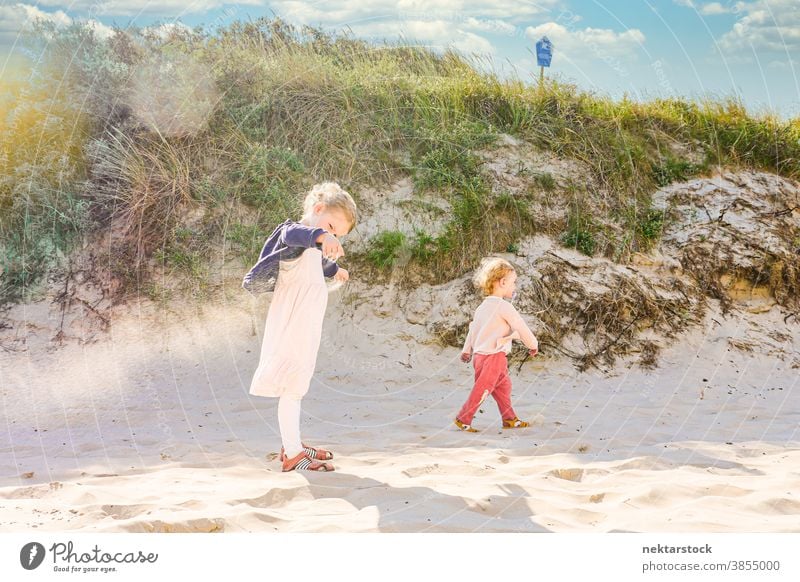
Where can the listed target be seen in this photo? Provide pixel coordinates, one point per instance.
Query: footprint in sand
(419, 471)
(34, 492)
(278, 497)
(124, 511)
(780, 506)
(725, 491)
(463, 469)
(191, 526)
(568, 474)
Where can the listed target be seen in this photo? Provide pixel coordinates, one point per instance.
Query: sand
(148, 426)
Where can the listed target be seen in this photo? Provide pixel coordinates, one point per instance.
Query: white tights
(289, 423)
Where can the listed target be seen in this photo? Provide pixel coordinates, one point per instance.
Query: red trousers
(491, 377)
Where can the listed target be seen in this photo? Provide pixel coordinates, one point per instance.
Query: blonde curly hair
(490, 271)
(332, 196)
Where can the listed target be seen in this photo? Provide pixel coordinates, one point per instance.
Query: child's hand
(465, 357)
(533, 352)
(341, 275)
(331, 247)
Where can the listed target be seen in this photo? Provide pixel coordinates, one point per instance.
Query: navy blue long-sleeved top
(287, 241)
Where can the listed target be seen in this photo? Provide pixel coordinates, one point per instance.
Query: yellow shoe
(465, 427)
(515, 423)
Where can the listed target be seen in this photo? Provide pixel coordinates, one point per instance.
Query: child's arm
(514, 319)
(329, 268)
(300, 235)
(466, 353)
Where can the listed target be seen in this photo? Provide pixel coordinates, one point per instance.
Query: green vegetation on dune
(193, 145)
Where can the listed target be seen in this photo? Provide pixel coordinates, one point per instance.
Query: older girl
(294, 262)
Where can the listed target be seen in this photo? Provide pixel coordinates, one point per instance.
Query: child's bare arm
(331, 247)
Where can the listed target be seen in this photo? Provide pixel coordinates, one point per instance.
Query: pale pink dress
(294, 328)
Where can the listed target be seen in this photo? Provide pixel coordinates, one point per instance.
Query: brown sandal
(303, 462)
(317, 454)
(465, 427)
(515, 423)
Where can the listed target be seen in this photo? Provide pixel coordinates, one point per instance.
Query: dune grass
(252, 114)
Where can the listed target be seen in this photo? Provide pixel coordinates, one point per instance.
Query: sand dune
(152, 430)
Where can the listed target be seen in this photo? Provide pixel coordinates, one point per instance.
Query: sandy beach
(636, 165)
(148, 427)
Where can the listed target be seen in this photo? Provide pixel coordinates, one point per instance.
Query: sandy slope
(151, 429)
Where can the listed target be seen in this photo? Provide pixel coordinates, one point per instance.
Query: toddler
(495, 325)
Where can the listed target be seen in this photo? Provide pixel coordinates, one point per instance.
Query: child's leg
(502, 395)
(487, 370)
(289, 423)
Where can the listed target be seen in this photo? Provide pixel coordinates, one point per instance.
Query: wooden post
(541, 76)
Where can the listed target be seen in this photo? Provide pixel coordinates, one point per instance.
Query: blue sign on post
(544, 52)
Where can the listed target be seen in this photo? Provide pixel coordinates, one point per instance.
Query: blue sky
(644, 48)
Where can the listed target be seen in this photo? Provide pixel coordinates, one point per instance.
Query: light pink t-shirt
(495, 325)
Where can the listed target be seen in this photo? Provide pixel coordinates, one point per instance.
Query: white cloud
(164, 30)
(436, 33)
(470, 43)
(493, 26)
(462, 24)
(783, 65)
(17, 18)
(59, 18)
(163, 8)
(588, 43)
(764, 25)
(353, 11)
(714, 8)
(707, 9)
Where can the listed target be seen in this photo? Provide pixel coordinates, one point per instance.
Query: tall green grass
(283, 108)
